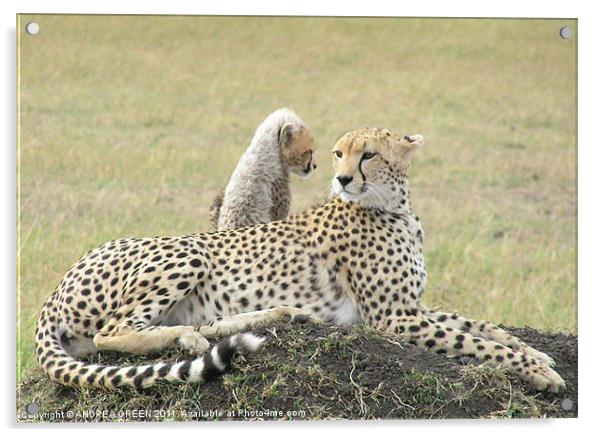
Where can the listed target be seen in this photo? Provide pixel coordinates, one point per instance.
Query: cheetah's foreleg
(255, 320)
(145, 340)
(444, 339)
(488, 331)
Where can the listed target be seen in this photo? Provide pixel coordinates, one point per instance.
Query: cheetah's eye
(368, 155)
(338, 153)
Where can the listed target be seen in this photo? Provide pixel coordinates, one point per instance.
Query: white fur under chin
(349, 197)
(337, 191)
(367, 199)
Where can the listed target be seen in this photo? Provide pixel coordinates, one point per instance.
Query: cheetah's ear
(285, 136)
(411, 143)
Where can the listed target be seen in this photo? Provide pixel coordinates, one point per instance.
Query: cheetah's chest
(338, 303)
(346, 312)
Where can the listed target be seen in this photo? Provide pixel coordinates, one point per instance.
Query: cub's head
(298, 149)
(371, 167)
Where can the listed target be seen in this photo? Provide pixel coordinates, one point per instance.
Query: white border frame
(589, 179)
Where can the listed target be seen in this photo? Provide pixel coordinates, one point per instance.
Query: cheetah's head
(371, 167)
(298, 149)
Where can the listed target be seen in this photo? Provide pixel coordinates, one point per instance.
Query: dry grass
(130, 125)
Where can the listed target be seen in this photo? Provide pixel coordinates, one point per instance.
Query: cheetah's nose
(344, 180)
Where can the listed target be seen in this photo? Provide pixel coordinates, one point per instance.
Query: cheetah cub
(258, 190)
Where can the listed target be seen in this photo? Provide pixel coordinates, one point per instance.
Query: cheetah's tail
(63, 368)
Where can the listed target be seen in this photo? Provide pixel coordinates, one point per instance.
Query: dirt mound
(321, 372)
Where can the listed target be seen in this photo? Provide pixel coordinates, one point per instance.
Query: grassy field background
(130, 125)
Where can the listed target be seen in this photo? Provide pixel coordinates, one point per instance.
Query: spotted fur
(356, 259)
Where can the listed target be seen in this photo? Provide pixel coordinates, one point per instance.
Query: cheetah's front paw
(545, 378)
(297, 315)
(194, 343)
(538, 355)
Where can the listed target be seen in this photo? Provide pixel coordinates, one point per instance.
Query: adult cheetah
(358, 258)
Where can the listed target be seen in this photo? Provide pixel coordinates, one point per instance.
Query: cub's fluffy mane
(260, 172)
(262, 157)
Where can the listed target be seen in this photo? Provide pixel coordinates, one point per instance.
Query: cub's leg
(488, 331)
(255, 320)
(444, 339)
(142, 340)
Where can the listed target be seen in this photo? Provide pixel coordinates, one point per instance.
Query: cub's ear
(412, 142)
(285, 136)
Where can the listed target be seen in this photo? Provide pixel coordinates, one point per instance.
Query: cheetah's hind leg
(256, 320)
(143, 340)
(487, 331)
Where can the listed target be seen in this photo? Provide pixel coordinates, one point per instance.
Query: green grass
(129, 126)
